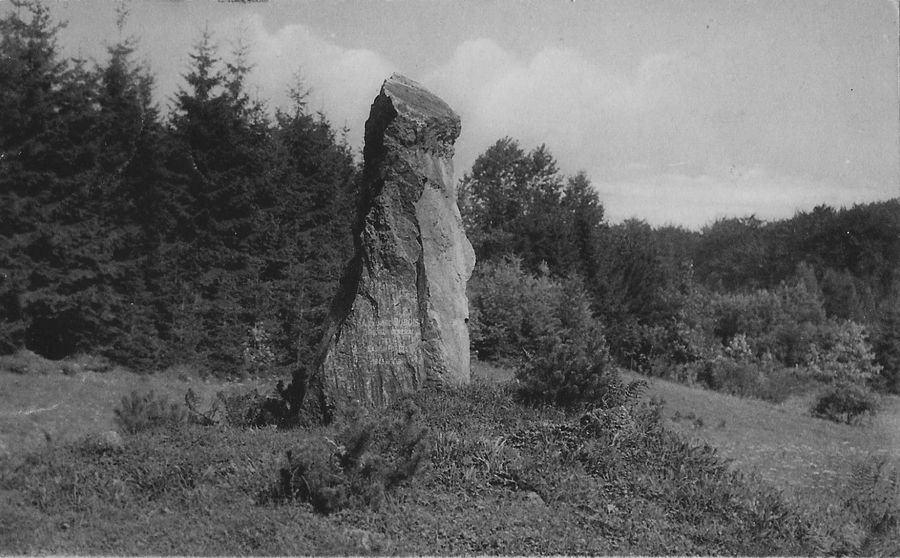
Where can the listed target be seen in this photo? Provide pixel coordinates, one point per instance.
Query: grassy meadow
(499, 478)
(782, 442)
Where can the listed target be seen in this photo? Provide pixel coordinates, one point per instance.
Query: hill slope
(783, 443)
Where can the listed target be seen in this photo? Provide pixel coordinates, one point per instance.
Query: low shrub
(756, 378)
(864, 517)
(144, 411)
(845, 402)
(81, 363)
(253, 409)
(873, 497)
(736, 377)
(365, 461)
(661, 349)
(680, 498)
(572, 369)
(247, 409)
(763, 380)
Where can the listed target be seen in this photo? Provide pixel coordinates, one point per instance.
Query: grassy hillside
(783, 443)
(53, 402)
(497, 477)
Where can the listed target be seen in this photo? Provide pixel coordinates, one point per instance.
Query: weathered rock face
(399, 318)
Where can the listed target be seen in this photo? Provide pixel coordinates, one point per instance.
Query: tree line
(212, 233)
(810, 292)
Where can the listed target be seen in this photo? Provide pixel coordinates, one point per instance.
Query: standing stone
(400, 316)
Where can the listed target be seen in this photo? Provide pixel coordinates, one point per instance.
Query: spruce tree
(48, 266)
(310, 223)
(220, 160)
(127, 200)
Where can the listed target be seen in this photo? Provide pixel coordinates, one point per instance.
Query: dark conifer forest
(210, 229)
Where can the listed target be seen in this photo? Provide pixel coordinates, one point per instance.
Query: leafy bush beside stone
(512, 310)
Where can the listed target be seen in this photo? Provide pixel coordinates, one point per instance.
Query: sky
(679, 111)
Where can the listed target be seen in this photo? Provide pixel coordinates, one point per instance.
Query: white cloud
(661, 142)
(672, 141)
(343, 81)
(558, 97)
(697, 200)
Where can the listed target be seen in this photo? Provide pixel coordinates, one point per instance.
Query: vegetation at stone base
(368, 457)
(494, 477)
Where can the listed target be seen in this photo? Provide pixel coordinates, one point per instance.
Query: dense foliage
(745, 306)
(212, 234)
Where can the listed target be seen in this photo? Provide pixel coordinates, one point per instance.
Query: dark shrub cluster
(359, 466)
(845, 402)
(572, 369)
(886, 344)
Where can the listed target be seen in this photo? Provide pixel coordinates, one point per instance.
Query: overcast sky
(679, 111)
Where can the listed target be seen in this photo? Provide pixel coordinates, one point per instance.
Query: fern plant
(874, 498)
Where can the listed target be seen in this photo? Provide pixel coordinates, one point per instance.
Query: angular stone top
(415, 116)
(414, 101)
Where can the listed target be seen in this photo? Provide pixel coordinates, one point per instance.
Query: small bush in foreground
(845, 402)
(875, 499)
(864, 520)
(366, 460)
(139, 412)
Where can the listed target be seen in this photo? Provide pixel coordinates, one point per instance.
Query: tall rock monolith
(399, 319)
